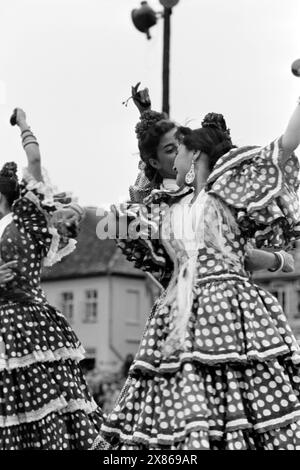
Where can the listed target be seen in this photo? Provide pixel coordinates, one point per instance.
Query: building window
(297, 313)
(91, 306)
(67, 305)
(133, 306)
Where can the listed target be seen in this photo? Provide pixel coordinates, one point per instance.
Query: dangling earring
(190, 176)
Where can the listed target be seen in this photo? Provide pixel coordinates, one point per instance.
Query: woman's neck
(200, 179)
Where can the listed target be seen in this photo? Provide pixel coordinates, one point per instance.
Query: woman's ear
(154, 163)
(196, 155)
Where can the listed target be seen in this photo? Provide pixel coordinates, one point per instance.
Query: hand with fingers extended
(7, 271)
(141, 98)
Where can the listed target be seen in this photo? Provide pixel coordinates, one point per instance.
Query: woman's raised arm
(30, 145)
(291, 137)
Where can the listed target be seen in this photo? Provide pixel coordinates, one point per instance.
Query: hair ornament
(9, 170)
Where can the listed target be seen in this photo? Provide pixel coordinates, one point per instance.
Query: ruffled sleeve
(142, 186)
(32, 214)
(141, 243)
(262, 190)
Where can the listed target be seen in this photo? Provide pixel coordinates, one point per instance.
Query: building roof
(92, 256)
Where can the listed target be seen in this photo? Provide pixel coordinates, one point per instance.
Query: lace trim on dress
(42, 356)
(59, 404)
(49, 202)
(56, 254)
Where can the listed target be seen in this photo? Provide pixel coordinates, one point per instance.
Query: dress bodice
(204, 230)
(15, 245)
(203, 241)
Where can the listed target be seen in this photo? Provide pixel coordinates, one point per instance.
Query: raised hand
(18, 117)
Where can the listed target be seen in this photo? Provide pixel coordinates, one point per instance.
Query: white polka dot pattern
(262, 190)
(44, 399)
(235, 383)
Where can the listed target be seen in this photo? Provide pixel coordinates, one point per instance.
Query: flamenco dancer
(158, 145)
(218, 366)
(44, 400)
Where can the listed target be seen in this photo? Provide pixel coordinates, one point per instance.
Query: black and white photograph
(149, 227)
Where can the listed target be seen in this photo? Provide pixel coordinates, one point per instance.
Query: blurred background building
(105, 299)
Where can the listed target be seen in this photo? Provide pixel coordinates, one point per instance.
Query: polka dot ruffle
(287, 438)
(232, 321)
(56, 431)
(219, 401)
(31, 393)
(235, 386)
(35, 332)
(262, 190)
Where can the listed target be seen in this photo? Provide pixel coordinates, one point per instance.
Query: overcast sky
(71, 63)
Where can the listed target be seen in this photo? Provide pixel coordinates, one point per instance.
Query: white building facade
(105, 299)
(108, 313)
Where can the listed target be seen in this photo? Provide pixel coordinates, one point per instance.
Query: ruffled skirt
(44, 398)
(235, 385)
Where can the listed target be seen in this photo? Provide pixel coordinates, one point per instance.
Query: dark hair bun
(147, 120)
(9, 170)
(215, 121)
(182, 132)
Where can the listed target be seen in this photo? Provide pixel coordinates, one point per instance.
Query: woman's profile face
(182, 164)
(166, 154)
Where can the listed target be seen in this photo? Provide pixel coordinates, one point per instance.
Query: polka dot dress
(44, 399)
(235, 383)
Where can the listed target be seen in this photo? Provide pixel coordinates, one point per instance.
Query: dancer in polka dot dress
(218, 366)
(158, 146)
(44, 399)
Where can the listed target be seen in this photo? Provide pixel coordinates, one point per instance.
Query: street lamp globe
(169, 3)
(144, 18)
(296, 67)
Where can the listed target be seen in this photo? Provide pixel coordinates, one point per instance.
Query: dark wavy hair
(151, 128)
(9, 185)
(213, 138)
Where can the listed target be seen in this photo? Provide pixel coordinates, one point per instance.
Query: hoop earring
(190, 176)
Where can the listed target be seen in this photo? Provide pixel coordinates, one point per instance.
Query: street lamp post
(168, 5)
(143, 19)
(166, 61)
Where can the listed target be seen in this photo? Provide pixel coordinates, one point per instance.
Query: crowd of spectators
(106, 388)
